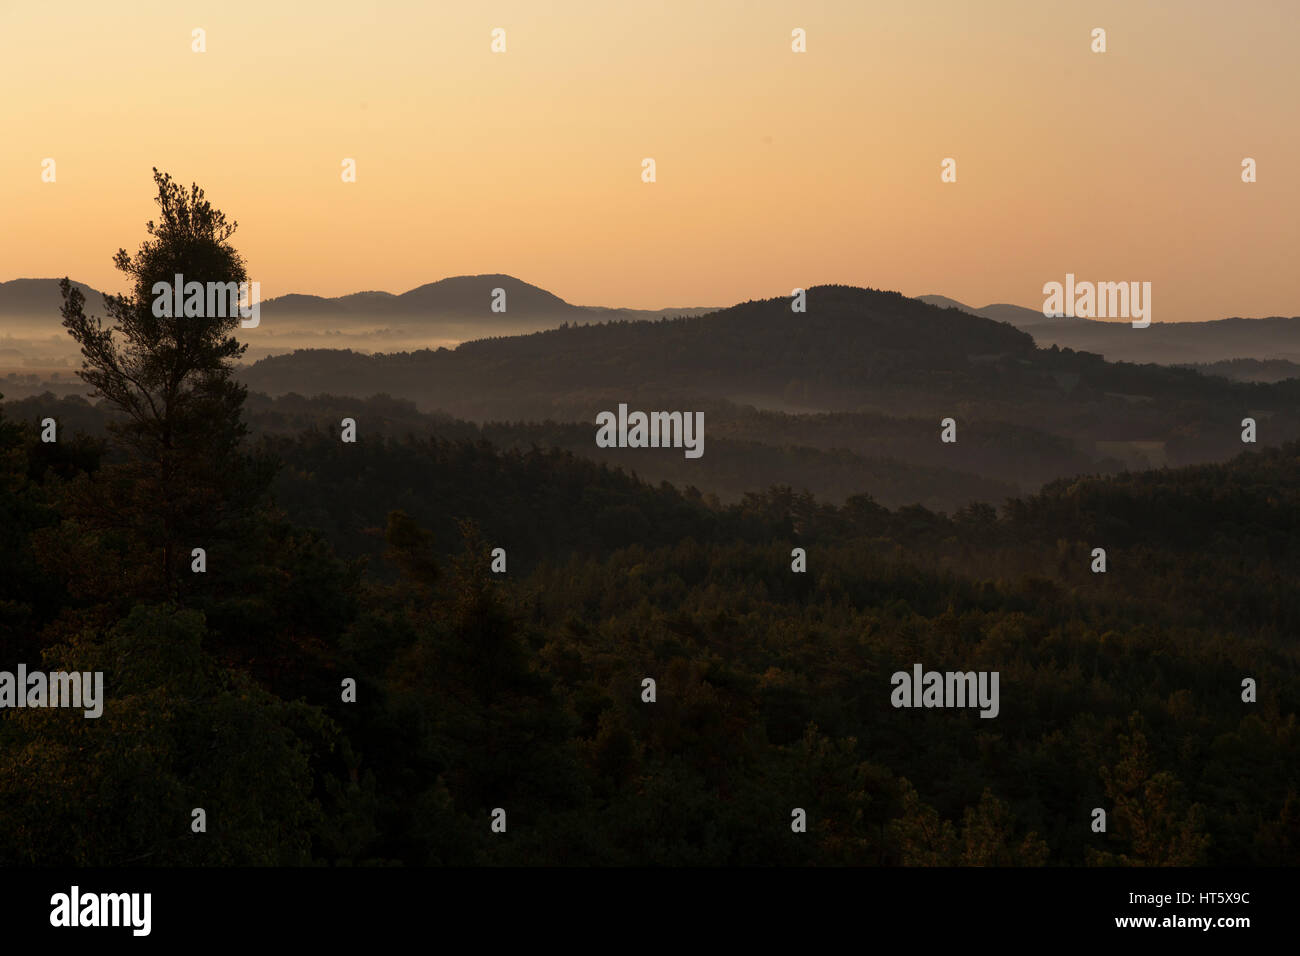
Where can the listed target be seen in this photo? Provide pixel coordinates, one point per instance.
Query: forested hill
(854, 349)
(848, 338)
(863, 375)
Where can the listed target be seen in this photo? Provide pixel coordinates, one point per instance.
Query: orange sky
(775, 169)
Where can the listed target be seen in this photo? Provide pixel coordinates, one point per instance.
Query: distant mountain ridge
(459, 308)
(457, 295)
(441, 313)
(1017, 315)
(1165, 343)
(461, 296)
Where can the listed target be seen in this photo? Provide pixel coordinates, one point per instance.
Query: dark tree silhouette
(170, 381)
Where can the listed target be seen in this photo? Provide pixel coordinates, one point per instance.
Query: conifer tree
(169, 379)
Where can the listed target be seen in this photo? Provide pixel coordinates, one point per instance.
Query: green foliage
(177, 732)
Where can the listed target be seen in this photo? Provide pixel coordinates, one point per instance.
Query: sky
(773, 169)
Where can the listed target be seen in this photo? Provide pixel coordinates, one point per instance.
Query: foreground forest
(523, 690)
(516, 681)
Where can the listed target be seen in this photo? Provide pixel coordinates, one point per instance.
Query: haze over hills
(32, 339)
(1249, 370)
(459, 308)
(442, 313)
(844, 398)
(1166, 343)
(468, 297)
(863, 373)
(854, 350)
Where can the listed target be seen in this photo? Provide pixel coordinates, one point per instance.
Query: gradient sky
(775, 169)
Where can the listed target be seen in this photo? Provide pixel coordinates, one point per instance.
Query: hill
(27, 298)
(441, 313)
(1166, 343)
(858, 351)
